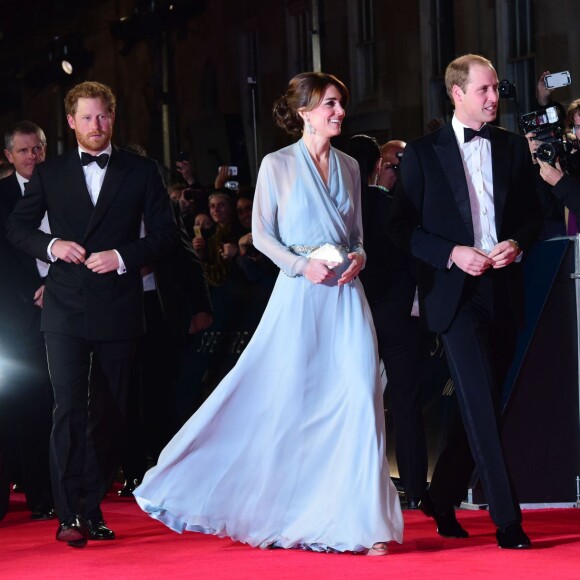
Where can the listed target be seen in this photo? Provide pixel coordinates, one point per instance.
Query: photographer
(559, 187)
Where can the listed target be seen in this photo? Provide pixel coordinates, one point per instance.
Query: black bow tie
(101, 160)
(469, 134)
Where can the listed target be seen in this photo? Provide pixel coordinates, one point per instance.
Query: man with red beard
(96, 197)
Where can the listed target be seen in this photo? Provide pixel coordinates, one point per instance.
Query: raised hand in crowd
(542, 92)
(184, 169)
(222, 176)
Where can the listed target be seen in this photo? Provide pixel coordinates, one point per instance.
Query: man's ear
(457, 93)
(8, 155)
(71, 121)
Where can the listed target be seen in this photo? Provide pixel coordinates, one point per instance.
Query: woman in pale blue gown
(289, 450)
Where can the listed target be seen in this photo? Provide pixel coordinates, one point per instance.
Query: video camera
(546, 127)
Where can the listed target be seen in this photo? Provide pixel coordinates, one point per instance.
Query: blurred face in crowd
(92, 124)
(577, 125)
(244, 211)
(26, 153)
(203, 221)
(182, 195)
(220, 208)
(478, 104)
(175, 193)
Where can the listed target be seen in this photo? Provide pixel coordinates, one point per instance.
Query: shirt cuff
(519, 257)
(121, 269)
(49, 252)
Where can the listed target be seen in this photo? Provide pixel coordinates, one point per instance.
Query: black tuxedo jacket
(20, 277)
(389, 272)
(78, 302)
(432, 214)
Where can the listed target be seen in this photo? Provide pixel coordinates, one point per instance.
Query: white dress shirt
(94, 175)
(476, 158)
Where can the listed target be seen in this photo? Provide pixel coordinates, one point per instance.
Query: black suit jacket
(78, 302)
(389, 272)
(20, 277)
(432, 214)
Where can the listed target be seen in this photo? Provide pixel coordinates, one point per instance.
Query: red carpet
(146, 549)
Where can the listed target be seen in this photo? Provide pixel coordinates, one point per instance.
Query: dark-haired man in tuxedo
(25, 393)
(468, 210)
(96, 197)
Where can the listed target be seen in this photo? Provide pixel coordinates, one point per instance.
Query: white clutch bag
(327, 252)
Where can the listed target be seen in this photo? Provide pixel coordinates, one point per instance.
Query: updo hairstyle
(304, 93)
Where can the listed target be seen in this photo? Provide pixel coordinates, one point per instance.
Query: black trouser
(402, 348)
(26, 404)
(479, 346)
(81, 457)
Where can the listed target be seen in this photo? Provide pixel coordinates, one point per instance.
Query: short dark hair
(366, 150)
(23, 128)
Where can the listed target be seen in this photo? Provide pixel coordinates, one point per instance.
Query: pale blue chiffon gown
(289, 450)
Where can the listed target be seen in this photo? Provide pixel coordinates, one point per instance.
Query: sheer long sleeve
(266, 213)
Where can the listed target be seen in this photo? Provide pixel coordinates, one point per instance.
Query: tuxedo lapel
(74, 183)
(500, 161)
(116, 171)
(14, 191)
(447, 151)
(10, 193)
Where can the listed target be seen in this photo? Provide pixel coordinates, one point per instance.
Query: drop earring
(309, 128)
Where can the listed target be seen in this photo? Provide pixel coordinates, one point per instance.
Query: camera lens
(506, 89)
(546, 152)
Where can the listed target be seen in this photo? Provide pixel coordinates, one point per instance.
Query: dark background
(201, 75)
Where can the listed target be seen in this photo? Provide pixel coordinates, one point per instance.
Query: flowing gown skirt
(289, 450)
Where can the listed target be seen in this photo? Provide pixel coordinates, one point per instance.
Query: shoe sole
(70, 536)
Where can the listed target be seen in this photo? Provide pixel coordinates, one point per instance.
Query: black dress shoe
(128, 488)
(43, 513)
(512, 537)
(99, 531)
(447, 524)
(413, 503)
(73, 530)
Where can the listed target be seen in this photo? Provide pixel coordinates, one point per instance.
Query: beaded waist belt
(306, 251)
